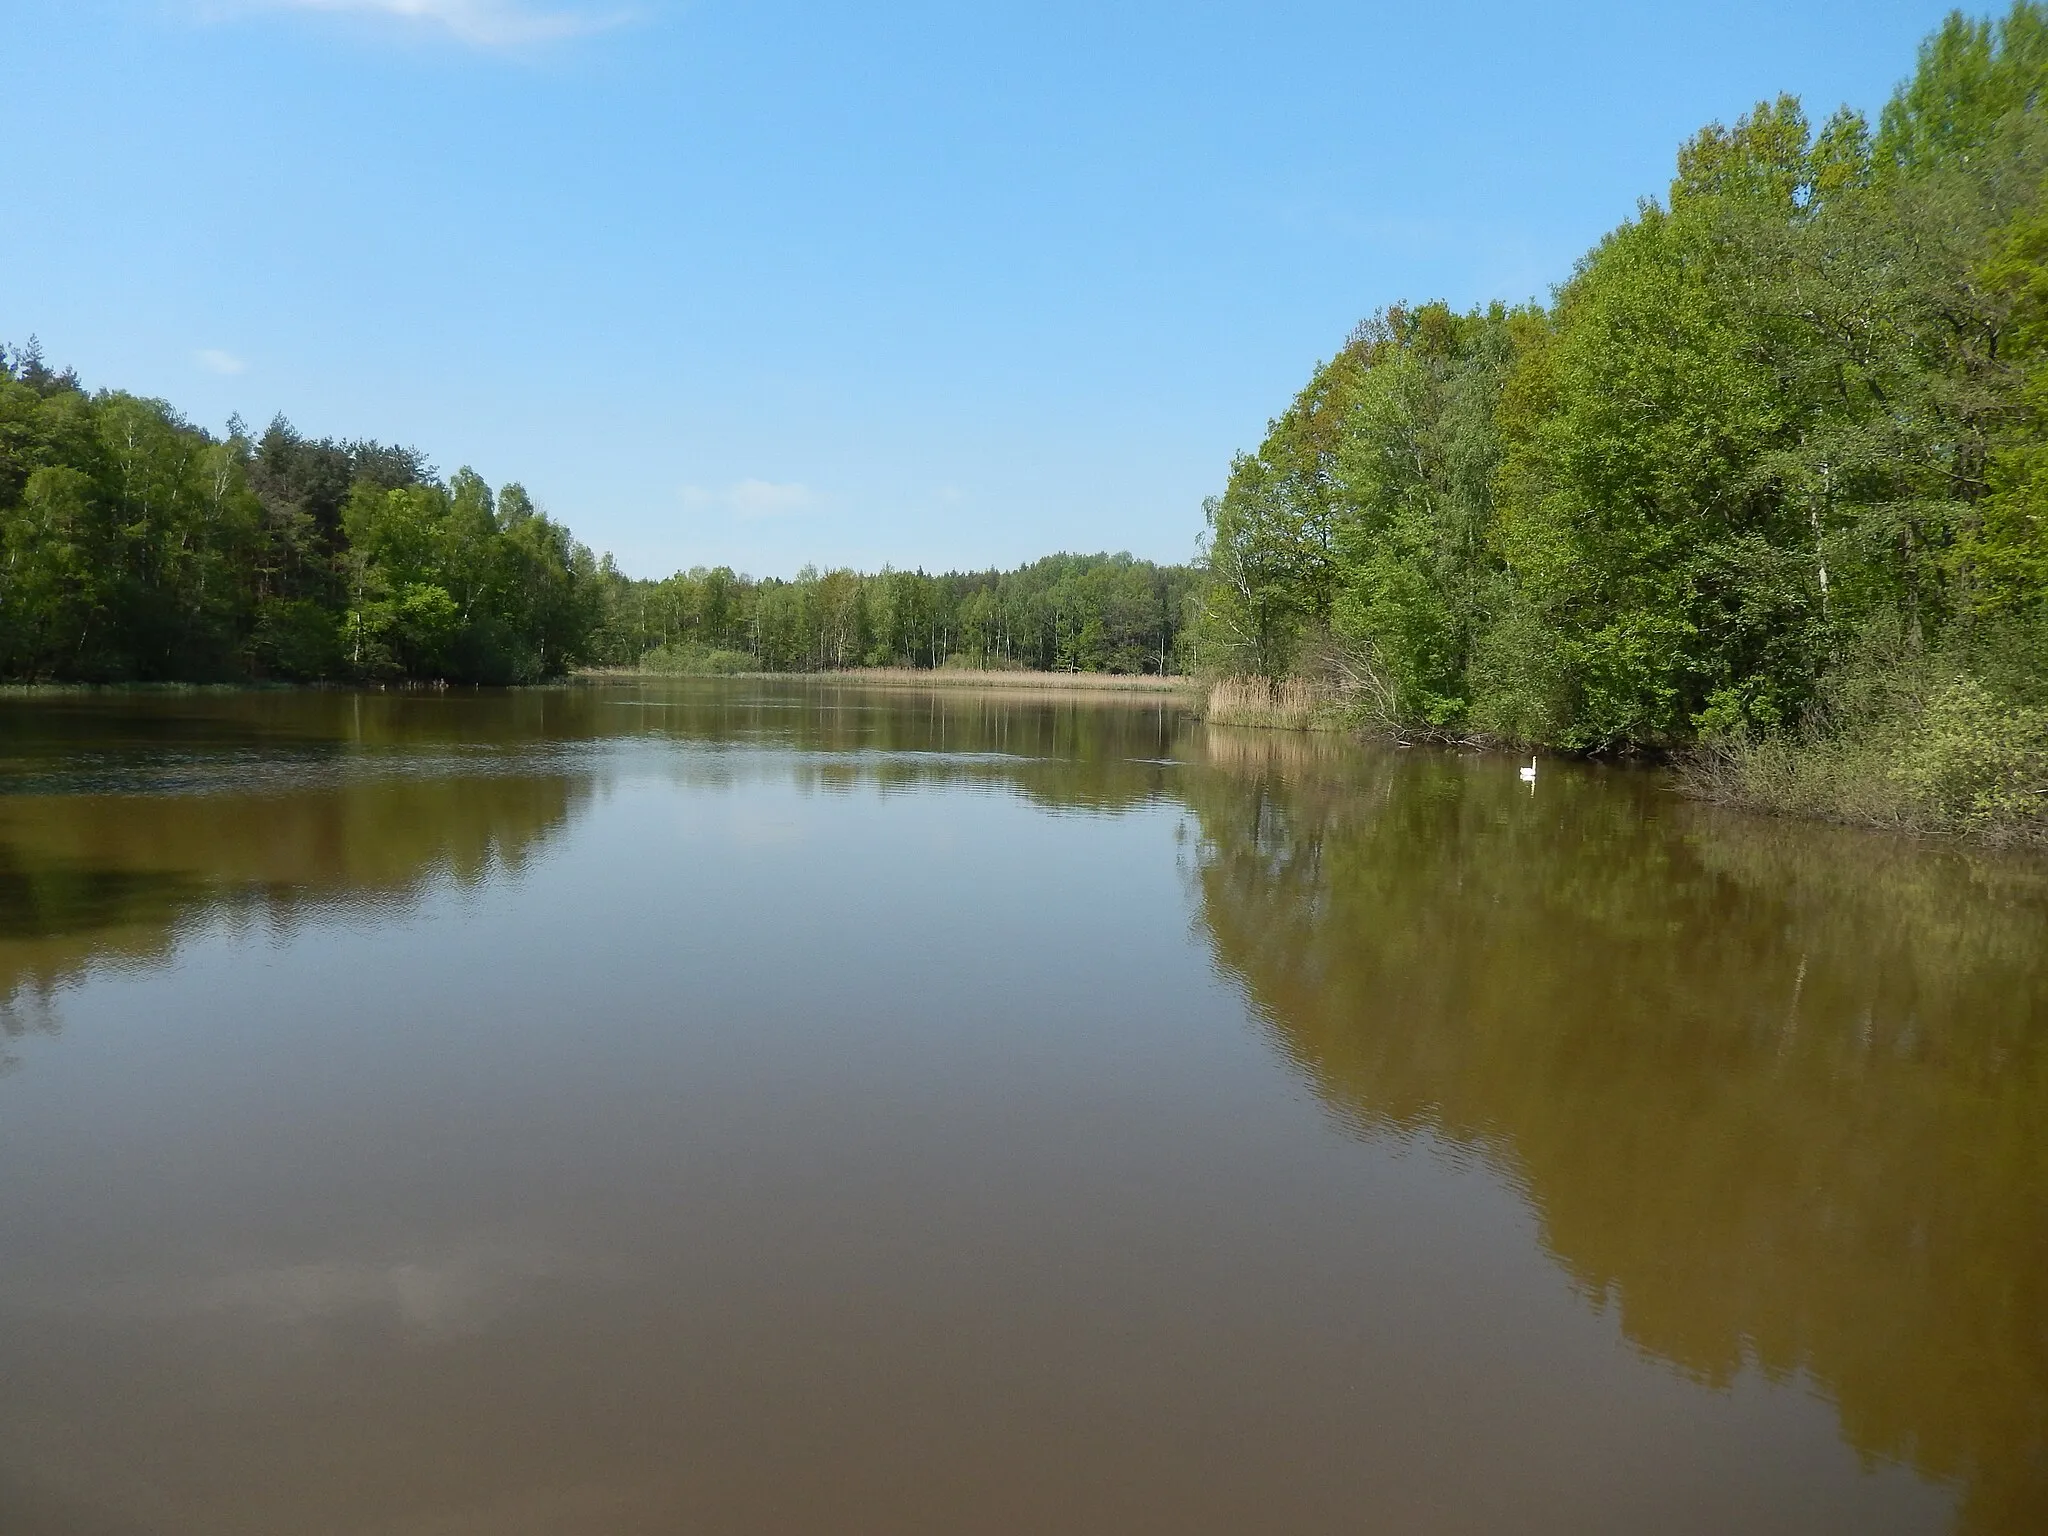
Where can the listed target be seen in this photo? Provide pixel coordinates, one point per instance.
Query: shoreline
(882, 677)
(919, 677)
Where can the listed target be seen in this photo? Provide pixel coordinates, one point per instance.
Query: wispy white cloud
(479, 23)
(750, 499)
(213, 360)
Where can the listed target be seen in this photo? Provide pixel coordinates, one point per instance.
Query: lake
(740, 1106)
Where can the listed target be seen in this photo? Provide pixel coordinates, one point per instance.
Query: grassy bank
(1956, 760)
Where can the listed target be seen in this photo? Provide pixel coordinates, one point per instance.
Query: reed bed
(1290, 705)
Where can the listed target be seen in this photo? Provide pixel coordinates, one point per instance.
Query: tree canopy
(135, 546)
(1777, 432)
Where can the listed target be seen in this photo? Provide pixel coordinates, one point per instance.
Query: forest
(1762, 487)
(1066, 613)
(137, 547)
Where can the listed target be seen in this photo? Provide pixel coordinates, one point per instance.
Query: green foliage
(1639, 518)
(1922, 747)
(1972, 77)
(2001, 557)
(1805, 395)
(136, 546)
(1079, 613)
(125, 535)
(1269, 552)
(1414, 491)
(1976, 759)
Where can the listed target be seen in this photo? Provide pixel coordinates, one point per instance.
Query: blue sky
(762, 283)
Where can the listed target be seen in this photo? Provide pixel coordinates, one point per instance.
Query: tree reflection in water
(1775, 1092)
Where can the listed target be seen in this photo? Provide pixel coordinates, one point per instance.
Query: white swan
(1529, 773)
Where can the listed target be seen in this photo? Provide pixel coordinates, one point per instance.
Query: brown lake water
(777, 1107)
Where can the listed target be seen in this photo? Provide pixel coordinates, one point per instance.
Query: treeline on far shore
(1064, 613)
(137, 547)
(1765, 486)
